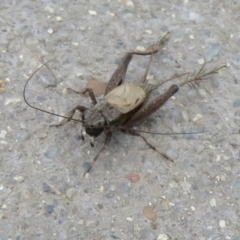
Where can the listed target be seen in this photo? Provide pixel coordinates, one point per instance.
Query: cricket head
(93, 122)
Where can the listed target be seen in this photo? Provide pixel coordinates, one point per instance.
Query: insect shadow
(124, 104)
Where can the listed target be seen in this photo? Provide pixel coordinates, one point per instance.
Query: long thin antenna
(42, 110)
(159, 133)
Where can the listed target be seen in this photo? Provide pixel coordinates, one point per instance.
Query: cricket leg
(152, 106)
(82, 109)
(201, 74)
(106, 142)
(118, 76)
(89, 91)
(144, 78)
(132, 132)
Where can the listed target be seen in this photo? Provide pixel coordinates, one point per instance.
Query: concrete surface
(42, 192)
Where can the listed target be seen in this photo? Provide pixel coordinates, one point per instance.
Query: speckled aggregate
(42, 192)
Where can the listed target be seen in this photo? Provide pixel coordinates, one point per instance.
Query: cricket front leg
(152, 106)
(68, 118)
(107, 141)
(118, 76)
(79, 108)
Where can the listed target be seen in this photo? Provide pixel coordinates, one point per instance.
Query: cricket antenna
(161, 133)
(42, 110)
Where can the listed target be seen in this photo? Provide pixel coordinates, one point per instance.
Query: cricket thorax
(99, 117)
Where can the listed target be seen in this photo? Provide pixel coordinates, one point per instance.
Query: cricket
(124, 104)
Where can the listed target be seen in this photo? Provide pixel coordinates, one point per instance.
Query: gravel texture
(131, 192)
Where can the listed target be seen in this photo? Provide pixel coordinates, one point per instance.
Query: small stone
(218, 158)
(223, 178)
(71, 192)
(49, 208)
(197, 117)
(2, 90)
(81, 222)
(133, 177)
(4, 206)
(129, 219)
(46, 188)
(234, 140)
(201, 61)
(12, 100)
(129, 4)
(110, 195)
(101, 189)
(42, 135)
(200, 149)
(163, 237)
(213, 202)
(211, 51)
(148, 212)
(3, 134)
(112, 187)
(19, 179)
(50, 30)
(49, 9)
(172, 155)
(148, 31)
(52, 151)
(26, 194)
(93, 13)
(125, 187)
(23, 135)
(191, 37)
(193, 16)
(202, 93)
(140, 49)
(91, 224)
(222, 224)
(58, 19)
(193, 208)
(236, 103)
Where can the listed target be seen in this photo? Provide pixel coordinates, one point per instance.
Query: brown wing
(126, 97)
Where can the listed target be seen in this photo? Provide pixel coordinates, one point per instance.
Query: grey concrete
(43, 194)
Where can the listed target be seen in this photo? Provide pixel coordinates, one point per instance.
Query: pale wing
(126, 97)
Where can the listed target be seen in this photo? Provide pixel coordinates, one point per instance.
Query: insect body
(125, 103)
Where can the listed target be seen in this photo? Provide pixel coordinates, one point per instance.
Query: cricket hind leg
(200, 75)
(106, 142)
(152, 106)
(118, 76)
(156, 103)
